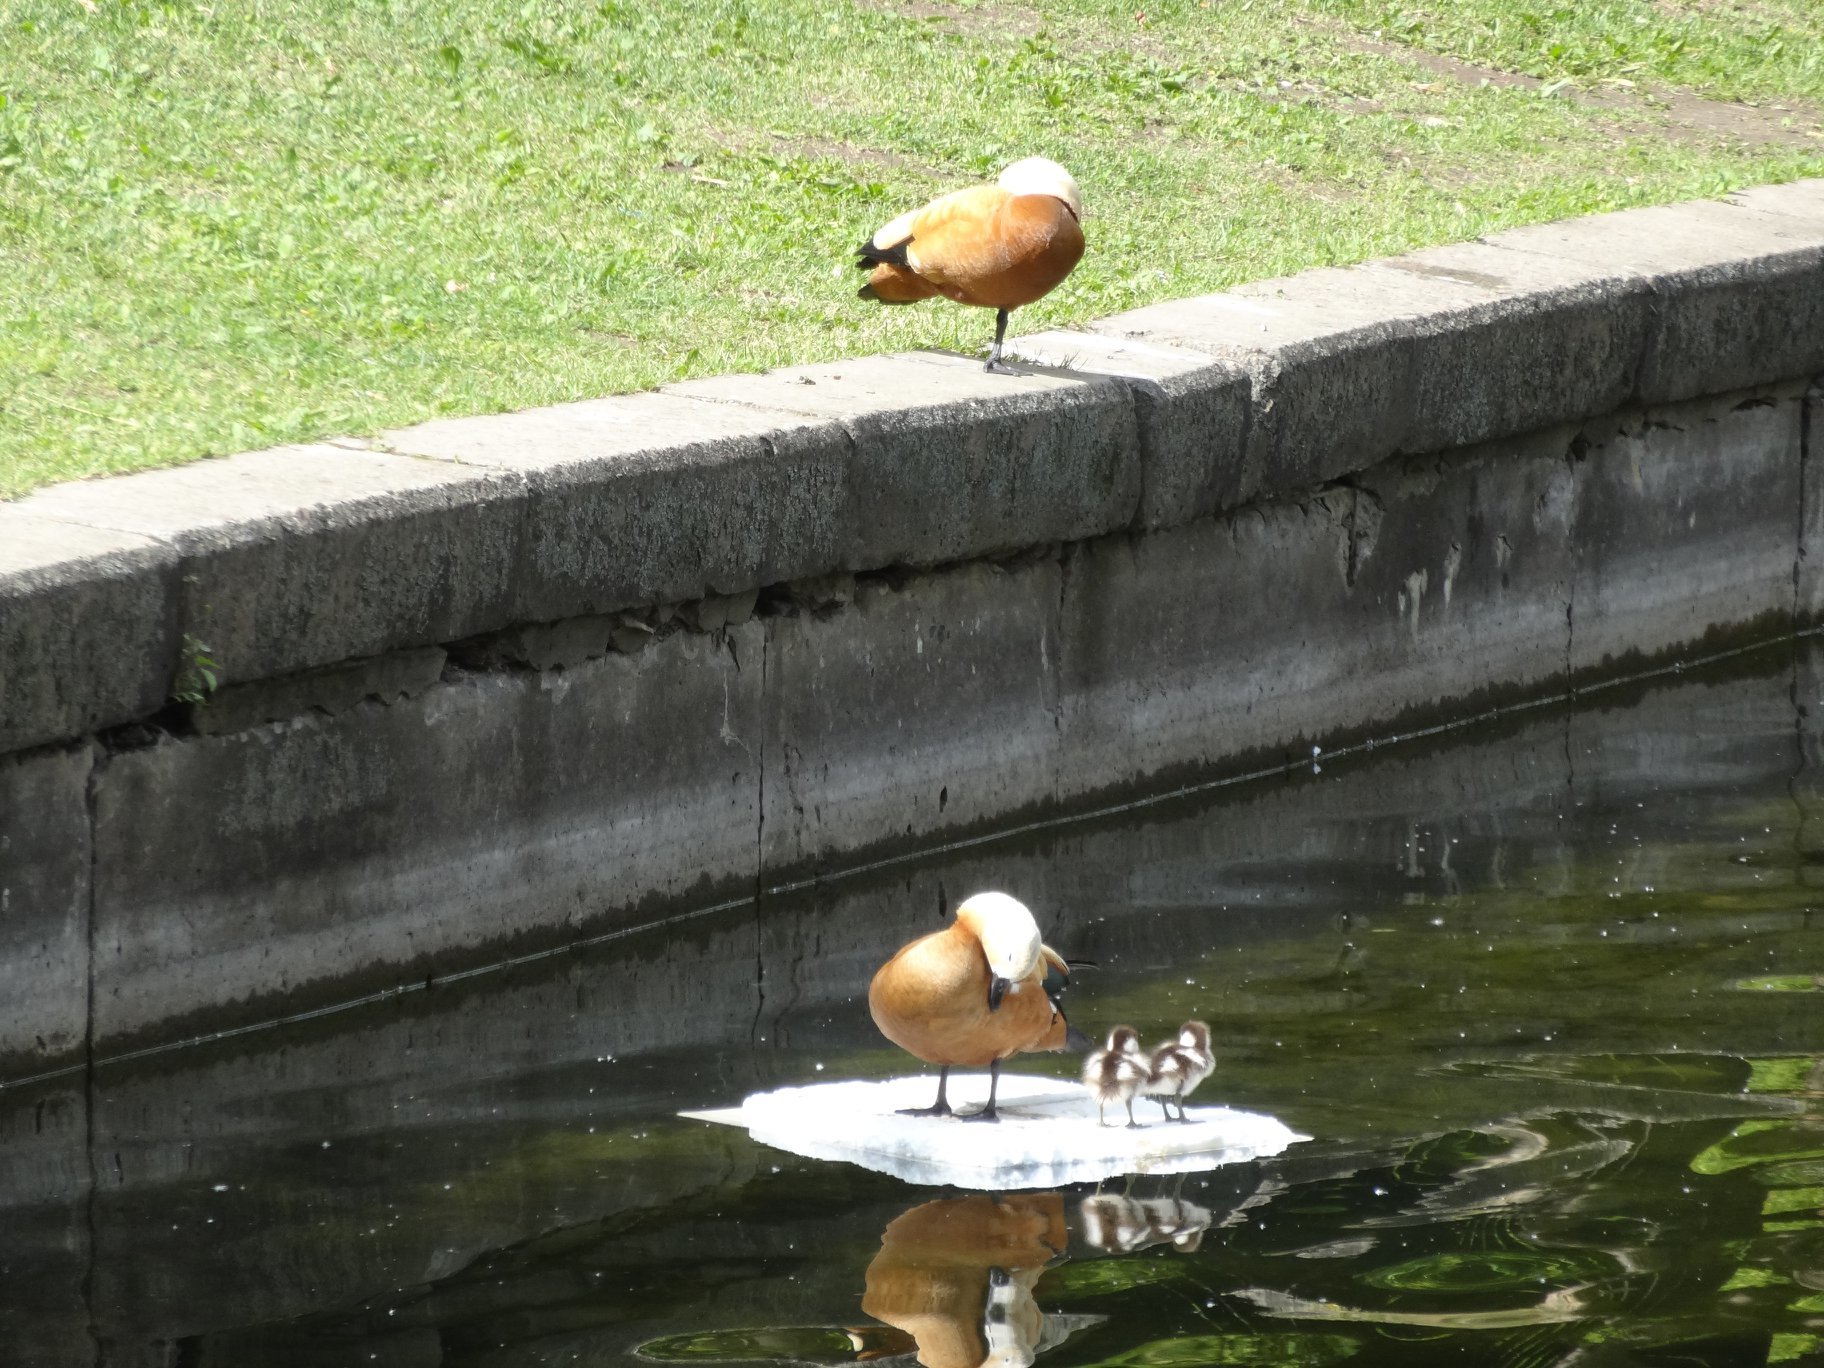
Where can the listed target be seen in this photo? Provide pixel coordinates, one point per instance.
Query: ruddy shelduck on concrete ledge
(995, 246)
(981, 989)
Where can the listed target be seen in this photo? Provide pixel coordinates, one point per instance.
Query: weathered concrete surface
(306, 556)
(44, 906)
(1809, 582)
(331, 689)
(643, 764)
(1353, 365)
(653, 498)
(324, 854)
(88, 628)
(1737, 289)
(1430, 584)
(946, 461)
(1192, 414)
(912, 712)
(1686, 521)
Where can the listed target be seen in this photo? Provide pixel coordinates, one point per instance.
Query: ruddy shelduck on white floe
(981, 989)
(995, 246)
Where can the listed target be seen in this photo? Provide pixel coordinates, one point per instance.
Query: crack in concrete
(766, 644)
(1055, 673)
(91, 805)
(1811, 416)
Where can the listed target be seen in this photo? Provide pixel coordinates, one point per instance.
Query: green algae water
(1545, 992)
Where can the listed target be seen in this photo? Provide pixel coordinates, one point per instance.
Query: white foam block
(1047, 1135)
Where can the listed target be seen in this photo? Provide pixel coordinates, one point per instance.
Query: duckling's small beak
(997, 989)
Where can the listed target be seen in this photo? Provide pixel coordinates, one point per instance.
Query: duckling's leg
(1181, 1116)
(1131, 1123)
(987, 1112)
(941, 1107)
(994, 352)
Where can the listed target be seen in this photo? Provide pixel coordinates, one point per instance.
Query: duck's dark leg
(987, 1112)
(1181, 1115)
(1000, 331)
(941, 1107)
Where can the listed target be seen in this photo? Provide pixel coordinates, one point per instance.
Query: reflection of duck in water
(957, 1275)
(1178, 1066)
(972, 994)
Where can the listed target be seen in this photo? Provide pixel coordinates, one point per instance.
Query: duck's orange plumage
(995, 246)
(973, 993)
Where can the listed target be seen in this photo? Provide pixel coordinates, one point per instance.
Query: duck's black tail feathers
(869, 256)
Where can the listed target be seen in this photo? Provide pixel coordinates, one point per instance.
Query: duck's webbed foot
(941, 1107)
(987, 1113)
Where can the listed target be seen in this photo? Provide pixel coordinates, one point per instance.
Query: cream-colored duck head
(1042, 176)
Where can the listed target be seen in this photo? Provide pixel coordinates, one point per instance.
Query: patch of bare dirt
(837, 150)
(1679, 112)
(1015, 21)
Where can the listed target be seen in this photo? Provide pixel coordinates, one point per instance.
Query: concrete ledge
(299, 558)
(302, 556)
(88, 627)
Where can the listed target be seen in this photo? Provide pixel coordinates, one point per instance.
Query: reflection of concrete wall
(515, 679)
(410, 1092)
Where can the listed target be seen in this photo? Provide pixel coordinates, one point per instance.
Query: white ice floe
(1047, 1135)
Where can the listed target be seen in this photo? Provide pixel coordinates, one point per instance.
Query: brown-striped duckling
(1177, 1067)
(1115, 1072)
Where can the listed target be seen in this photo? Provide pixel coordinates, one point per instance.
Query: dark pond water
(1546, 993)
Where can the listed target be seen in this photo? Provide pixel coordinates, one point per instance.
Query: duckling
(974, 993)
(1177, 1067)
(1115, 1072)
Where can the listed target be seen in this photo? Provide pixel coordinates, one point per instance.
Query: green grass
(231, 225)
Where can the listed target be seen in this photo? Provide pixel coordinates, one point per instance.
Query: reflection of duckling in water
(1177, 1067)
(1174, 1220)
(1114, 1073)
(957, 1275)
(1122, 1225)
(1112, 1222)
(981, 989)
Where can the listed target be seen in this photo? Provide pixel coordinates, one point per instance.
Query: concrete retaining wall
(491, 683)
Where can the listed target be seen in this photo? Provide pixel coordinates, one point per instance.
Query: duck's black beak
(997, 989)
